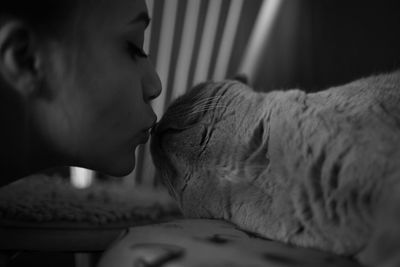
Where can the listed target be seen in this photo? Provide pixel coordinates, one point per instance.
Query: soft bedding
(42, 199)
(202, 243)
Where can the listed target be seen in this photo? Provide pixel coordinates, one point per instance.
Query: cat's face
(202, 142)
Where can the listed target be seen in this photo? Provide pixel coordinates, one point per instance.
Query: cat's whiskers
(201, 109)
(205, 109)
(184, 108)
(207, 99)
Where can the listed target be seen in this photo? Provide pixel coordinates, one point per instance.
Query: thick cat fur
(317, 170)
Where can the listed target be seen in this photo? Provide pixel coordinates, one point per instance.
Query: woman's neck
(21, 151)
(21, 156)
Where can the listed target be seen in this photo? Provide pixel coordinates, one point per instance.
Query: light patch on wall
(260, 37)
(81, 178)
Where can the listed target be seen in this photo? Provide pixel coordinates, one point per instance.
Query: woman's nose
(151, 85)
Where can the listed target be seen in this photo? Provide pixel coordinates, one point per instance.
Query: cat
(319, 170)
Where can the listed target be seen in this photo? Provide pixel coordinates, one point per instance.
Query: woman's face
(102, 85)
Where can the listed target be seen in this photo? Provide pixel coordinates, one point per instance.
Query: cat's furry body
(317, 170)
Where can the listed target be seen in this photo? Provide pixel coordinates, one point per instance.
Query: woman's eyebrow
(141, 17)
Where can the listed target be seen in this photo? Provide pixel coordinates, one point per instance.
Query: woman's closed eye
(136, 51)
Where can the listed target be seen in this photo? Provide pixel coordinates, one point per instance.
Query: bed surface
(208, 243)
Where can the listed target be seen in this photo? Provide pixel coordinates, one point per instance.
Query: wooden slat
(165, 51)
(207, 41)
(186, 48)
(226, 45)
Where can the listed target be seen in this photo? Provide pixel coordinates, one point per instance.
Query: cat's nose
(153, 129)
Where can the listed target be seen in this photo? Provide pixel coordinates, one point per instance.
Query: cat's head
(207, 139)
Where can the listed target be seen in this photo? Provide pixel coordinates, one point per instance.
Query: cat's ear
(200, 85)
(241, 77)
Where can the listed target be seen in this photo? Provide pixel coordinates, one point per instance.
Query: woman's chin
(123, 171)
(118, 166)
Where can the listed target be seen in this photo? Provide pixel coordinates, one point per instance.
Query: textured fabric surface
(189, 243)
(44, 199)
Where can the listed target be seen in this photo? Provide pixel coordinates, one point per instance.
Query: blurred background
(277, 44)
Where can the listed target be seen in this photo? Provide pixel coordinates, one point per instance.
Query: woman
(75, 85)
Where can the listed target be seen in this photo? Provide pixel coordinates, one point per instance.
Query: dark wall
(320, 43)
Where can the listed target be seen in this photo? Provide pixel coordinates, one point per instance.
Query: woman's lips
(154, 128)
(144, 136)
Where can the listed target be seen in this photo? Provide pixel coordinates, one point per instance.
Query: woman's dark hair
(45, 16)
